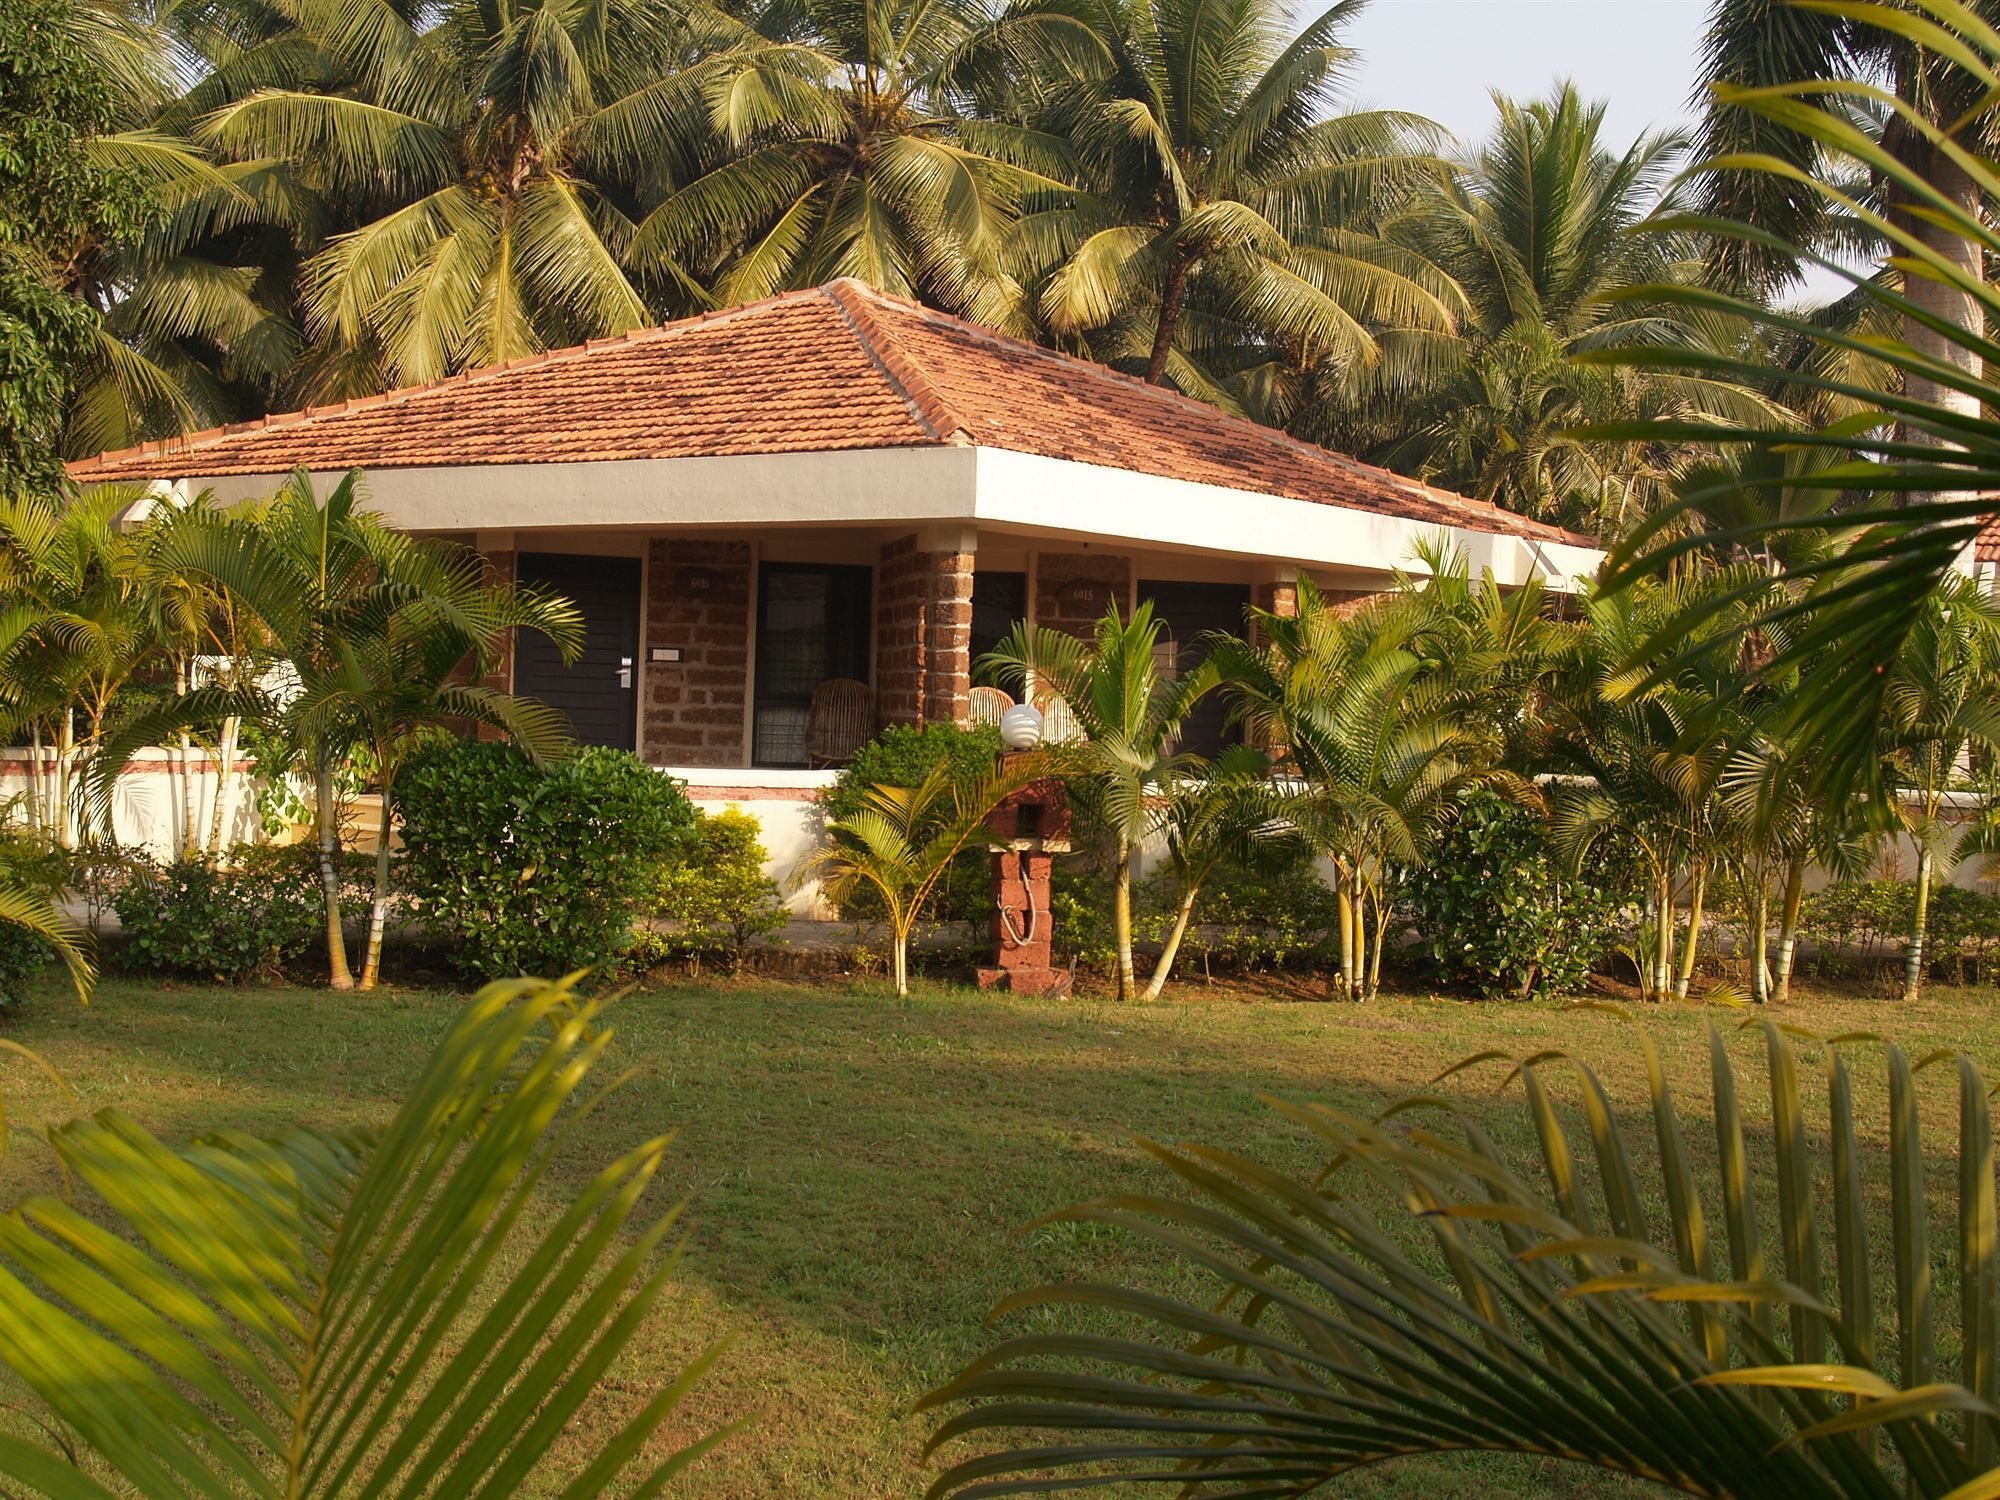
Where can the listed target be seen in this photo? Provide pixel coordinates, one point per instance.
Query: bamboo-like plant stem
(378, 909)
(325, 816)
(1121, 920)
(1788, 928)
(1697, 890)
(1663, 939)
(1760, 939)
(1183, 914)
(1345, 901)
(1913, 958)
(1381, 941)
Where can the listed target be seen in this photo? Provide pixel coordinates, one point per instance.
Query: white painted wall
(148, 809)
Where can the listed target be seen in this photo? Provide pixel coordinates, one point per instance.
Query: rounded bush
(526, 869)
(1497, 910)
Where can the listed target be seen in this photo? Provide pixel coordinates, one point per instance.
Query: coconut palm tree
(1543, 221)
(314, 1313)
(848, 145)
(464, 181)
(1925, 112)
(1225, 216)
(1127, 713)
(1911, 394)
(1612, 1301)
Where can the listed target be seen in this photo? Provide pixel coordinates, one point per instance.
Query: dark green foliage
(197, 919)
(527, 870)
(1496, 908)
(1854, 925)
(32, 864)
(1273, 914)
(717, 898)
(53, 200)
(903, 755)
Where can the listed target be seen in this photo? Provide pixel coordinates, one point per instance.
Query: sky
(1442, 58)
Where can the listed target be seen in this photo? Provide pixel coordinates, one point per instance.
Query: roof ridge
(903, 370)
(1418, 488)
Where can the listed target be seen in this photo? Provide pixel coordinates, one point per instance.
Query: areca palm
(377, 634)
(1717, 1330)
(1128, 714)
(1226, 218)
(321, 1314)
(902, 844)
(847, 144)
(1378, 744)
(1942, 705)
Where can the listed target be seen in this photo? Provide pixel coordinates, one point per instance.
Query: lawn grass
(862, 1167)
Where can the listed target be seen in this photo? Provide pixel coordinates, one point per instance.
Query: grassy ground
(862, 1167)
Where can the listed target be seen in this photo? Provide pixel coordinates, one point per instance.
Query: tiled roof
(840, 366)
(1986, 546)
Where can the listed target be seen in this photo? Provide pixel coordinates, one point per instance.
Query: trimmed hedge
(535, 870)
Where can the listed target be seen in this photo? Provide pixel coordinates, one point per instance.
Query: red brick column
(923, 634)
(697, 598)
(1279, 597)
(1073, 588)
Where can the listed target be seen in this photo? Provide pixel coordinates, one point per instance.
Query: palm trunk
(1760, 943)
(1345, 899)
(1663, 939)
(899, 960)
(1171, 951)
(190, 799)
(65, 777)
(1358, 989)
(1121, 919)
(1375, 959)
(1697, 890)
(223, 816)
(1173, 297)
(1913, 959)
(1942, 300)
(37, 797)
(1788, 929)
(338, 974)
(378, 911)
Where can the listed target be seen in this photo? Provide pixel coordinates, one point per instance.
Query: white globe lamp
(1021, 727)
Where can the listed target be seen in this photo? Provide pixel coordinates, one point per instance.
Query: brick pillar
(1279, 597)
(698, 599)
(1073, 588)
(923, 633)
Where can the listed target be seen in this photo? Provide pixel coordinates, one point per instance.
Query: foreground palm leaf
(1911, 472)
(1427, 1294)
(312, 1314)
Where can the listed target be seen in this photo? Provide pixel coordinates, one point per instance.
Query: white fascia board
(860, 485)
(1050, 494)
(940, 486)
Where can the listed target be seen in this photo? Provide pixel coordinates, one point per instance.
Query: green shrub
(35, 865)
(534, 870)
(903, 756)
(1856, 919)
(717, 898)
(1272, 914)
(1496, 909)
(198, 919)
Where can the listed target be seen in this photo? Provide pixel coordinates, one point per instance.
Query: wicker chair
(987, 704)
(839, 721)
(1058, 723)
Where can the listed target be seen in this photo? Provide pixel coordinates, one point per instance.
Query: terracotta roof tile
(841, 366)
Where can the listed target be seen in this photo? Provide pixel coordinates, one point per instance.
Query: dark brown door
(599, 690)
(1189, 611)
